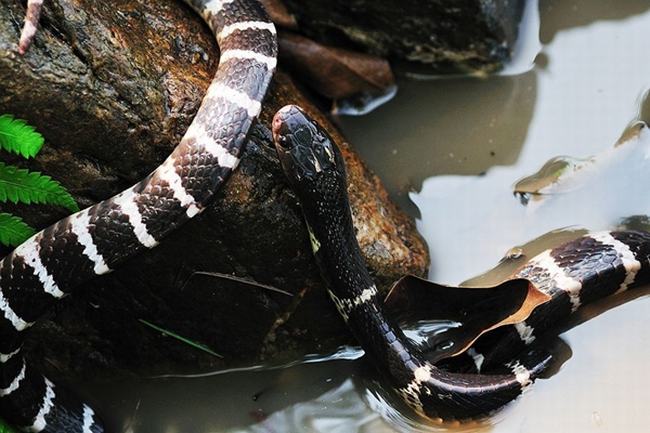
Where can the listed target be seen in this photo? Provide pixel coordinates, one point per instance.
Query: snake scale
(48, 266)
(575, 273)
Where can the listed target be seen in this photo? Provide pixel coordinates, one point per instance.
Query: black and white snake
(94, 241)
(573, 274)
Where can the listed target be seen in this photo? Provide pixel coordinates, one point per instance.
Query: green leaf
(13, 231)
(187, 341)
(18, 185)
(4, 428)
(18, 137)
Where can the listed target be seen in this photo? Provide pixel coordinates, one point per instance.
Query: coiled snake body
(572, 274)
(94, 241)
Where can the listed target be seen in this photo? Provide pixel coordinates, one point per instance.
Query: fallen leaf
(280, 14)
(476, 310)
(550, 179)
(334, 72)
(564, 174)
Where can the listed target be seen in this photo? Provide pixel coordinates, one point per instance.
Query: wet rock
(446, 35)
(113, 86)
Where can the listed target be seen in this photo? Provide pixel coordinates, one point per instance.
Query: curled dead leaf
(334, 72)
(476, 310)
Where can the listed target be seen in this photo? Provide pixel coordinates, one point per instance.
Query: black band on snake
(48, 266)
(573, 274)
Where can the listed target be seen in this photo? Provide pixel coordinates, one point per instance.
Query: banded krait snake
(573, 274)
(48, 266)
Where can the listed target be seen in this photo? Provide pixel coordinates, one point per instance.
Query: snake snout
(286, 122)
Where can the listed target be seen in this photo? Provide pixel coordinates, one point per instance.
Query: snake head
(304, 148)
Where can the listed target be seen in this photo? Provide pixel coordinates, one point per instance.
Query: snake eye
(282, 140)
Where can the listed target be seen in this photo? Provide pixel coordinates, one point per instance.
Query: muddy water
(450, 151)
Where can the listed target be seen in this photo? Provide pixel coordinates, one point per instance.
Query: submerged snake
(48, 266)
(572, 274)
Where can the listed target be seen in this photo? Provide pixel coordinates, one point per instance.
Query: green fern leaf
(18, 137)
(13, 232)
(4, 427)
(18, 185)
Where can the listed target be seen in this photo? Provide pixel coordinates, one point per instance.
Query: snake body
(49, 265)
(315, 169)
(573, 274)
(576, 273)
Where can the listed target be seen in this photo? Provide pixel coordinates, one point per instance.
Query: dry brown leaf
(334, 72)
(478, 309)
(280, 14)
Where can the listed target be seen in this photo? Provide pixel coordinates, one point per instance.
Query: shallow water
(450, 151)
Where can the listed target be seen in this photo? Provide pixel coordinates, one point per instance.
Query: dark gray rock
(443, 35)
